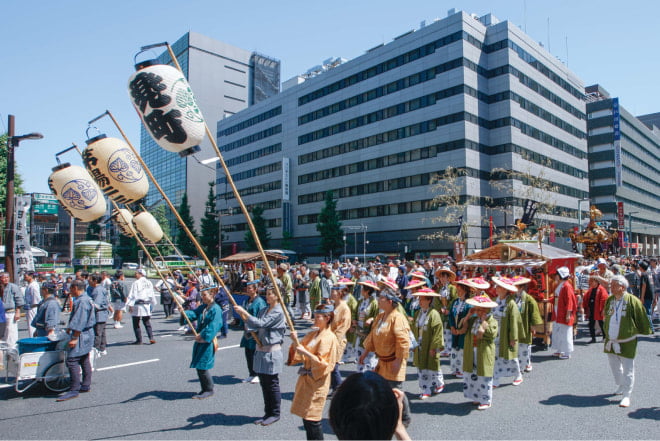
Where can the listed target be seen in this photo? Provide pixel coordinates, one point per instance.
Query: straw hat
(481, 301)
(389, 283)
(478, 283)
(464, 282)
(505, 283)
(418, 274)
(345, 281)
(415, 284)
(446, 270)
(520, 280)
(426, 292)
(370, 284)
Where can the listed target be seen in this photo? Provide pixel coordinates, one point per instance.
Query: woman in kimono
(530, 316)
(458, 310)
(441, 304)
(594, 304)
(346, 292)
(509, 323)
(390, 340)
(479, 353)
(366, 313)
(270, 326)
(625, 320)
(565, 311)
(317, 351)
(428, 331)
(340, 326)
(209, 320)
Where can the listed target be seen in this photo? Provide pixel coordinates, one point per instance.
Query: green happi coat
(485, 349)
(437, 303)
(431, 334)
(353, 306)
(371, 312)
(530, 316)
(633, 321)
(510, 326)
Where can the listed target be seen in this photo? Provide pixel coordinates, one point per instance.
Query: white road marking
(166, 335)
(127, 364)
(228, 347)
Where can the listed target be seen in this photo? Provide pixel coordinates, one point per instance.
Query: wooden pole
(144, 248)
(230, 181)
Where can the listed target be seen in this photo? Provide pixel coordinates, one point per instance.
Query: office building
(225, 80)
(470, 92)
(624, 168)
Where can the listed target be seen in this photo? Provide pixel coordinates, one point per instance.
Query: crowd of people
(379, 316)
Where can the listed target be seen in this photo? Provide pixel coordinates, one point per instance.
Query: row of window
(416, 180)
(375, 211)
(428, 126)
(251, 138)
(652, 163)
(431, 99)
(256, 189)
(379, 115)
(430, 74)
(256, 154)
(378, 92)
(247, 174)
(429, 49)
(422, 179)
(536, 64)
(382, 67)
(251, 121)
(270, 223)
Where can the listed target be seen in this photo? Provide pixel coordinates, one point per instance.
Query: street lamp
(630, 213)
(579, 245)
(12, 143)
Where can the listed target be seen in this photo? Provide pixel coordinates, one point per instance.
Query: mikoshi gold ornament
(76, 190)
(124, 221)
(165, 102)
(114, 167)
(148, 226)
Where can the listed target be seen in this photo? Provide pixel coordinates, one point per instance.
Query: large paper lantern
(148, 227)
(124, 221)
(165, 102)
(77, 192)
(115, 168)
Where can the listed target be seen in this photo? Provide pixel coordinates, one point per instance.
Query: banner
(23, 260)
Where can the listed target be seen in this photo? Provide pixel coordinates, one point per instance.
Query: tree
(93, 231)
(186, 246)
(159, 214)
(260, 227)
(329, 226)
(210, 225)
(452, 200)
(287, 240)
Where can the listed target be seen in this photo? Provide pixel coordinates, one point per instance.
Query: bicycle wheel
(56, 377)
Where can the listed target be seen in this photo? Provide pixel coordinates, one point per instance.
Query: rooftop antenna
(548, 34)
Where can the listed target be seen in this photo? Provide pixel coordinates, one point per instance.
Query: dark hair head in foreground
(364, 407)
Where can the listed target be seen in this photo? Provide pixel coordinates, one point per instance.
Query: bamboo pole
(178, 217)
(144, 248)
(230, 181)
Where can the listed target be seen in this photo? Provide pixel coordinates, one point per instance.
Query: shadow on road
(196, 422)
(225, 379)
(161, 395)
(440, 408)
(578, 401)
(648, 413)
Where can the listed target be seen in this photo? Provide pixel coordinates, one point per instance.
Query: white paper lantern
(165, 102)
(148, 227)
(77, 192)
(115, 168)
(124, 221)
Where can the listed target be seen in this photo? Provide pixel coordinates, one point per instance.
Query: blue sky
(66, 61)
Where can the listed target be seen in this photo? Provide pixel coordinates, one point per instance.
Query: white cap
(563, 272)
(142, 271)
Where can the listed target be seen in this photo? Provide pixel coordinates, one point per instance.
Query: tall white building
(225, 80)
(465, 91)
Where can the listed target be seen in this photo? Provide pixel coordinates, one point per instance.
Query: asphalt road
(143, 392)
